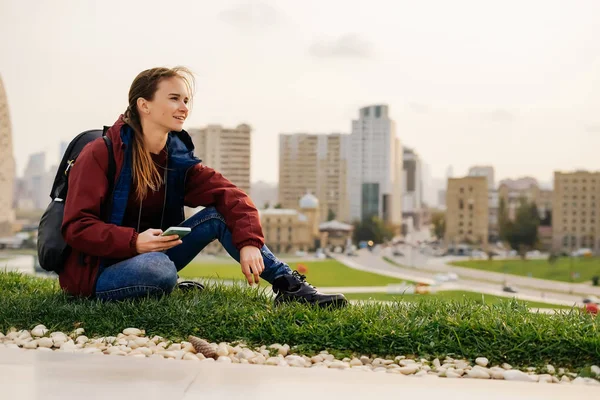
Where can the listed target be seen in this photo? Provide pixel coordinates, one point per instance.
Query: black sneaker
(294, 287)
(190, 285)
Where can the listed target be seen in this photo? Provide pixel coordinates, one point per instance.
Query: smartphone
(180, 231)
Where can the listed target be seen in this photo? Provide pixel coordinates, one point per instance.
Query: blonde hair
(145, 174)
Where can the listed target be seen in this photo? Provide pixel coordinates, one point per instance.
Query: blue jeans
(155, 273)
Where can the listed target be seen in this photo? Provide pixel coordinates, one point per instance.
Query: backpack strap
(111, 170)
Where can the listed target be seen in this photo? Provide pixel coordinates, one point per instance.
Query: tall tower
(316, 163)
(7, 167)
(375, 173)
(227, 150)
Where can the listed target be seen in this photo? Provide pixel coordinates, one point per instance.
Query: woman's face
(169, 108)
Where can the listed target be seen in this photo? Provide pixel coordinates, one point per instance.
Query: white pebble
(595, 370)
(409, 370)
(515, 375)
(190, 357)
(31, 345)
(45, 342)
(565, 379)
(132, 331)
(339, 365)
(436, 363)
(545, 378)
(551, 370)
(283, 350)
(81, 339)
(39, 331)
(478, 373)
(222, 350)
(272, 361)
(451, 374)
(481, 361)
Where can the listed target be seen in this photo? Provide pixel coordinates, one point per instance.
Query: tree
(438, 220)
(522, 234)
(373, 229)
(502, 220)
(330, 215)
(266, 205)
(278, 205)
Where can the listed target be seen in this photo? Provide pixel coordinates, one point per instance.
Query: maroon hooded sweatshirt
(92, 239)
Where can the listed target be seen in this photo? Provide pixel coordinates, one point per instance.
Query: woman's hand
(252, 263)
(150, 240)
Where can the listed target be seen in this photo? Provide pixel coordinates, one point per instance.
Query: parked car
(509, 289)
(591, 299)
(583, 252)
(397, 253)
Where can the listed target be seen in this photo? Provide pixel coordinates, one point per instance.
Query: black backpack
(52, 249)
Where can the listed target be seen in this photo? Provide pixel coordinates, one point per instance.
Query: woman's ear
(143, 106)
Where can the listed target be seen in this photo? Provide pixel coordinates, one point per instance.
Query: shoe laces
(302, 278)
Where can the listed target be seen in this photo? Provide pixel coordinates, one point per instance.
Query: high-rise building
(226, 150)
(484, 170)
(317, 164)
(412, 195)
(7, 167)
(487, 171)
(576, 211)
(38, 181)
(467, 215)
(375, 173)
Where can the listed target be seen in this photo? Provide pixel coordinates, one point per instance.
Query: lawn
(450, 295)
(504, 332)
(586, 268)
(319, 273)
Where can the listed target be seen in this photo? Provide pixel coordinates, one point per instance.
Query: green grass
(319, 273)
(504, 332)
(450, 295)
(559, 271)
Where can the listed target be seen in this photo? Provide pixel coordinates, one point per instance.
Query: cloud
(346, 46)
(250, 15)
(500, 115)
(419, 108)
(592, 128)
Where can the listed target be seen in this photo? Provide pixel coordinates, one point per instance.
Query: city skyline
(457, 81)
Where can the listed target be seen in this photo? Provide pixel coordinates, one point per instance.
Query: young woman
(117, 248)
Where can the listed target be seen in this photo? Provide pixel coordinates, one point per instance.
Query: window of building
(470, 207)
(461, 190)
(460, 232)
(461, 204)
(470, 232)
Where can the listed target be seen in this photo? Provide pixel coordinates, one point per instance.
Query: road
(370, 262)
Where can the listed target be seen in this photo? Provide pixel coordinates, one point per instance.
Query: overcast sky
(515, 84)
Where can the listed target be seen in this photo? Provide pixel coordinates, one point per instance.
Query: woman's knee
(158, 270)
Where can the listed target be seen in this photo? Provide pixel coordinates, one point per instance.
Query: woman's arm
(207, 187)
(83, 228)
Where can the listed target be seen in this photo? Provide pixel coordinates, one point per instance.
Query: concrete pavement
(32, 374)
